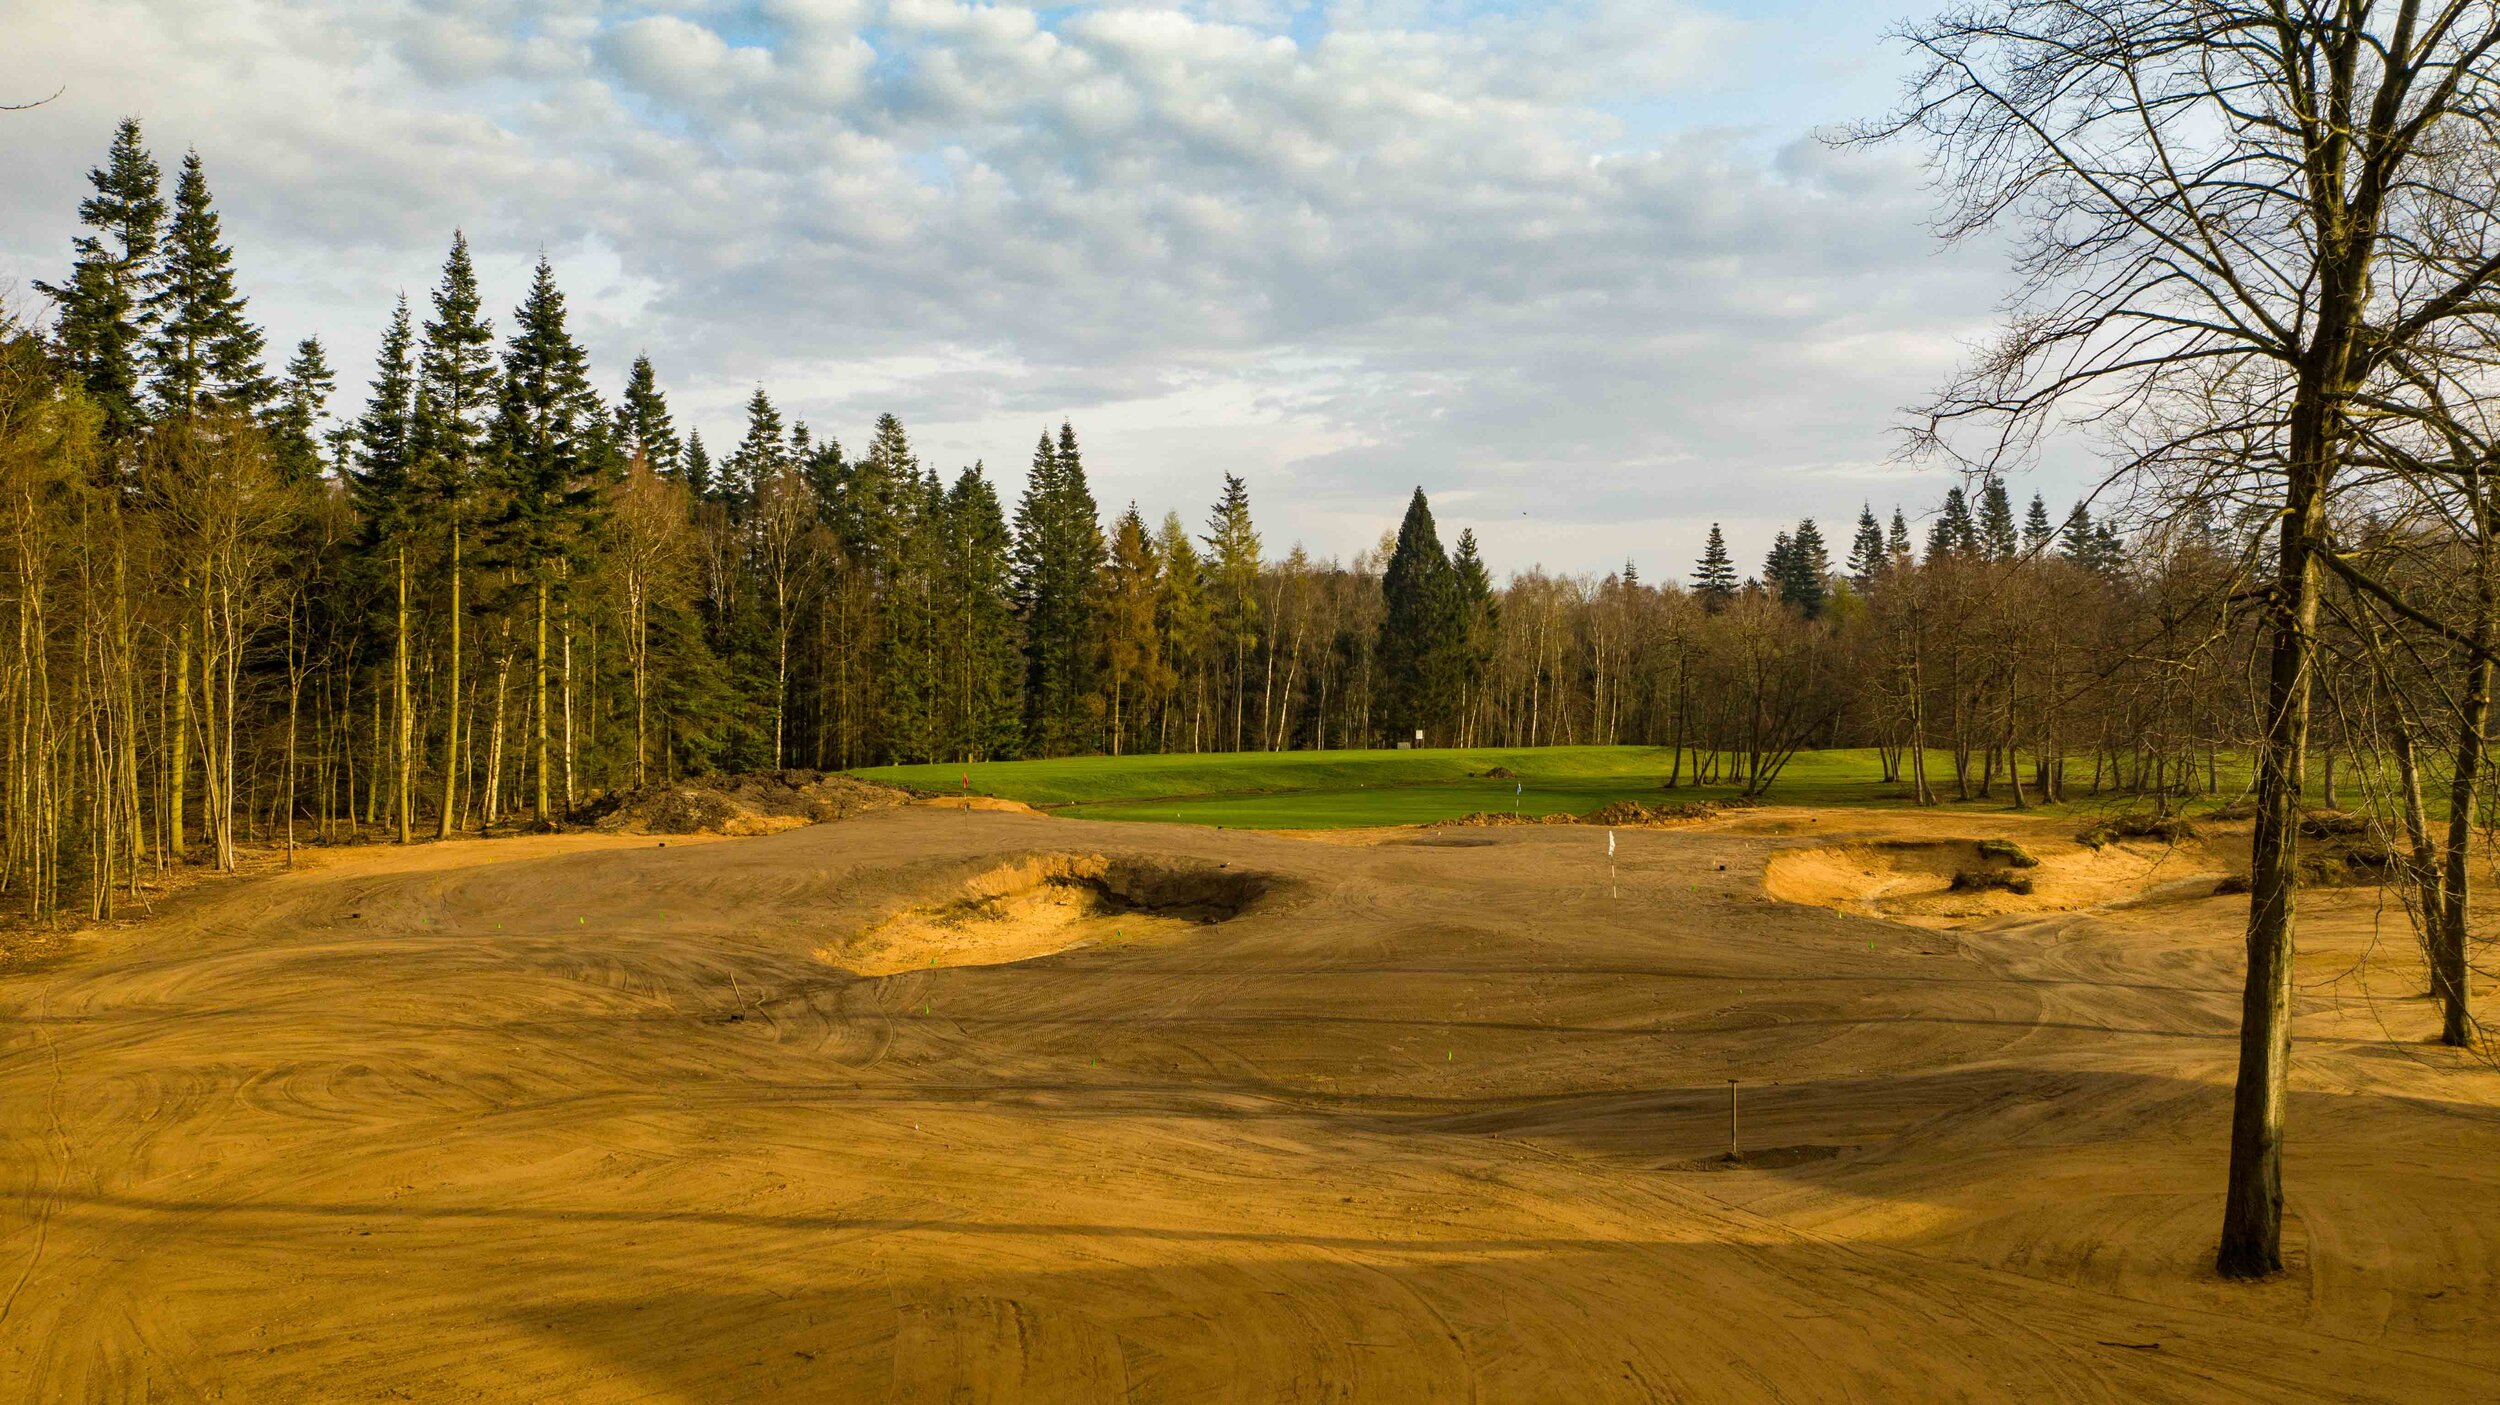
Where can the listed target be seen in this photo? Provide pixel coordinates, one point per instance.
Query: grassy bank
(1344, 789)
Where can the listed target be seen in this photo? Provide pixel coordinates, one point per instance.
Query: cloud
(1548, 261)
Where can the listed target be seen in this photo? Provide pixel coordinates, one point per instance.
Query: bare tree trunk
(404, 802)
(539, 707)
(2252, 1224)
(2450, 976)
(178, 743)
(451, 714)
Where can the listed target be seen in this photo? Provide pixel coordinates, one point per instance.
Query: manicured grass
(1348, 789)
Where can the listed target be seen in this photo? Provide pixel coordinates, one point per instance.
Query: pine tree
(1232, 571)
(548, 466)
(1423, 631)
(1866, 551)
(1779, 565)
(643, 426)
(107, 308)
(302, 401)
(1897, 537)
(1714, 576)
(1059, 558)
(206, 353)
(1996, 520)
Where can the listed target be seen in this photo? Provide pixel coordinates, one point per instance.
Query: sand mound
(756, 802)
(1944, 882)
(987, 803)
(1050, 903)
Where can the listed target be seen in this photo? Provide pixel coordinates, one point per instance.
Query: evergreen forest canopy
(482, 593)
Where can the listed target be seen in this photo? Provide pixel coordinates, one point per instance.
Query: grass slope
(1345, 789)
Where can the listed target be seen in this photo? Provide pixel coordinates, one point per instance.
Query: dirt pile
(2166, 829)
(1948, 882)
(754, 802)
(1619, 814)
(1048, 903)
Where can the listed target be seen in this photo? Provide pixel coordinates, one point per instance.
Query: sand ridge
(592, 1121)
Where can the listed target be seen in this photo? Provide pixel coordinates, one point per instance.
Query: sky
(1589, 274)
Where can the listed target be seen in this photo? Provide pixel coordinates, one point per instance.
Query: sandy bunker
(1040, 904)
(1949, 881)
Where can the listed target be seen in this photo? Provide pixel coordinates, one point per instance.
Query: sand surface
(1430, 1117)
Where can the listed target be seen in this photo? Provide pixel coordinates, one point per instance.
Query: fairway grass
(1355, 789)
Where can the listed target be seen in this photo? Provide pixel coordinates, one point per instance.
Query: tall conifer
(107, 307)
(1714, 576)
(205, 353)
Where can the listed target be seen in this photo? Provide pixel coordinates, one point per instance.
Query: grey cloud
(1416, 250)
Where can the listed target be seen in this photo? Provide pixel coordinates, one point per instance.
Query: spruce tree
(1714, 576)
(699, 476)
(1897, 537)
(1132, 655)
(302, 400)
(1866, 550)
(1482, 613)
(1181, 618)
(548, 466)
(2036, 530)
(384, 490)
(106, 307)
(379, 482)
(455, 390)
(206, 354)
(1996, 520)
(643, 426)
(1423, 631)
(1954, 534)
(1232, 576)
(758, 456)
(1806, 583)
(983, 706)
(2109, 553)
(2075, 539)
(1059, 557)
(911, 637)
(1779, 565)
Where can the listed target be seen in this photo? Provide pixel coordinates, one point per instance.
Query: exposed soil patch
(1775, 1158)
(758, 802)
(1945, 882)
(1049, 903)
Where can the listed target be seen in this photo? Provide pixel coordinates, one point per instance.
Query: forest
(245, 608)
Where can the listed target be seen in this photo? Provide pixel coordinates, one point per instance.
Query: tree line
(485, 595)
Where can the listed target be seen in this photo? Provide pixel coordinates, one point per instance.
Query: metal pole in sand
(1732, 1153)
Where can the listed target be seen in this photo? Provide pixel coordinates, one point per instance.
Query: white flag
(1610, 843)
